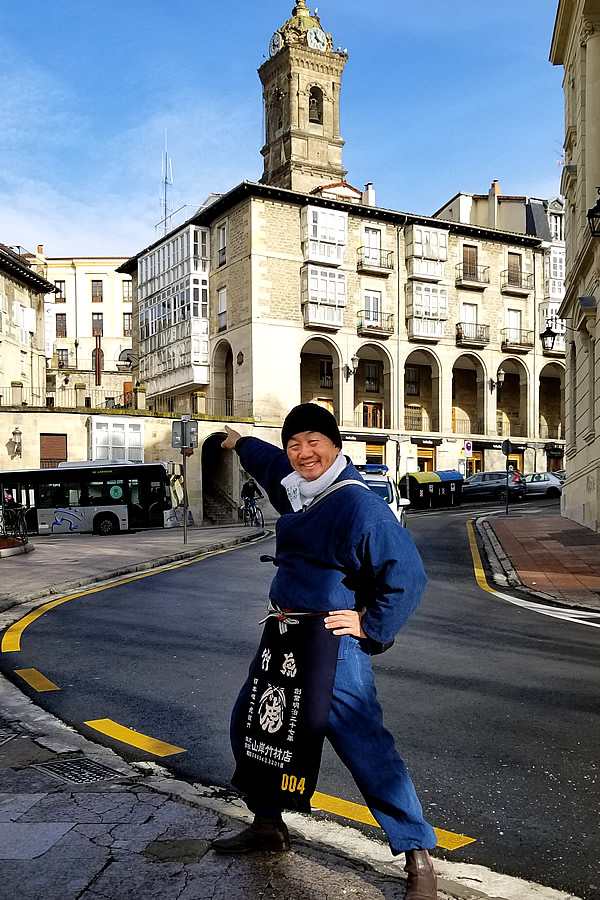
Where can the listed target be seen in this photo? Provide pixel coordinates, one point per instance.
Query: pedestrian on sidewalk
(340, 553)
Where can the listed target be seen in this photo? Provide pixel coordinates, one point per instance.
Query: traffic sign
(507, 447)
(468, 449)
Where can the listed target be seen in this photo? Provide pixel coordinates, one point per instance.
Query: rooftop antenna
(166, 183)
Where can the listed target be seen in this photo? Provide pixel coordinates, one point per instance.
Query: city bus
(95, 496)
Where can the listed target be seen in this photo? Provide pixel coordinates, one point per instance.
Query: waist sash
(281, 715)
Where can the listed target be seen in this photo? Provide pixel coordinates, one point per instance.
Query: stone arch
(468, 394)
(372, 387)
(220, 493)
(315, 105)
(422, 390)
(320, 373)
(512, 397)
(551, 403)
(222, 380)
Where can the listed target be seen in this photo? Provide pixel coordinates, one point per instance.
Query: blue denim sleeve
(385, 554)
(268, 465)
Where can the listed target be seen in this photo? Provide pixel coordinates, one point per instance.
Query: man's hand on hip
(345, 621)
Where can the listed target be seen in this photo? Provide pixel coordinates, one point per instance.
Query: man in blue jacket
(339, 548)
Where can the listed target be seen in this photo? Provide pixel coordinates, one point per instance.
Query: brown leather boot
(264, 834)
(421, 883)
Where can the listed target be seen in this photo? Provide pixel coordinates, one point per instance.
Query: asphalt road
(495, 708)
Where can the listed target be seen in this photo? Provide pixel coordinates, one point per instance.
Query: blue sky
(437, 97)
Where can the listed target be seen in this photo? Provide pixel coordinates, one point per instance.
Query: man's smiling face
(311, 453)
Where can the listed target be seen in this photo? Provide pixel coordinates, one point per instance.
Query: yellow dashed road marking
(347, 810)
(36, 680)
(11, 642)
(134, 738)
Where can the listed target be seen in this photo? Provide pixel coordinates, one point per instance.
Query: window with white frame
(557, 227)
(323, 286)
(513, 326)
(222, 309)
(324, 234)
(117, 439)
(373, 307)
(427, 243)
(428, 301)
(373, 245)
(24, 320)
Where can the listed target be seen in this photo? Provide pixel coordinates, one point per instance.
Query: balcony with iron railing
(369, 416)
(516, 339)
(374, 261)
(375, 324)
(468, 426)
(472, 276)
(552, 432)
(513, 281)
(510, 428)
(472, 334)
(419, 420)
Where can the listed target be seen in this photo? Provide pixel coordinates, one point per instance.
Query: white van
(378, 479)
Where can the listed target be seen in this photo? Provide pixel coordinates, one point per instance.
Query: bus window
(53, 496)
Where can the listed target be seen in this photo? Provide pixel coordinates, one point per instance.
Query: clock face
(316, 39)
(275, 45)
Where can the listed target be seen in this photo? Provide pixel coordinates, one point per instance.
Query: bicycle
(253, 514)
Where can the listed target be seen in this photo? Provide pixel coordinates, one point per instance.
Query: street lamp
(548, 338)
(498, 383)
(593, 217)
(17, 442)
(349, 372)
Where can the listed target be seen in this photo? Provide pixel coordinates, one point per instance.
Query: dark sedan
(492, 486)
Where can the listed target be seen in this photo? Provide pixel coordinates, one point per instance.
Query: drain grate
(78, 771)
(6, 734)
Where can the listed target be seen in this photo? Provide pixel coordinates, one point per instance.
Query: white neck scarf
(302, 492)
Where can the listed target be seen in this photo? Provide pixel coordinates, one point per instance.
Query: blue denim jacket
(347, 552)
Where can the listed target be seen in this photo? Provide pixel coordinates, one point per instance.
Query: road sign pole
(185, 496)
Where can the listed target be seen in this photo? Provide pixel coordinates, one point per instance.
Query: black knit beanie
(310, 417)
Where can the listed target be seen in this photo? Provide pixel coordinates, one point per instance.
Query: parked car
(561, 473)
(545, 483)
(492, 486)
(379, 481)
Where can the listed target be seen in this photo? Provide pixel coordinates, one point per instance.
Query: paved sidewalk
(552, 556)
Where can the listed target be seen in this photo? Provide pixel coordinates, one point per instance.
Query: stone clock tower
(302, 80)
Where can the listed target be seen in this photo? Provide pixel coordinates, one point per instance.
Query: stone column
(199, 403)
(80, 394)
(16, 388)
(139, 397)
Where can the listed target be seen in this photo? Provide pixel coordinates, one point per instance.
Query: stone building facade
(576, 47)
(88, 329)
(22, 352)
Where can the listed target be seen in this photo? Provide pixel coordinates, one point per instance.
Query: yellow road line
(134, 738)
(448, 840)
(11, 641)
(477, 564)
(36, 680)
